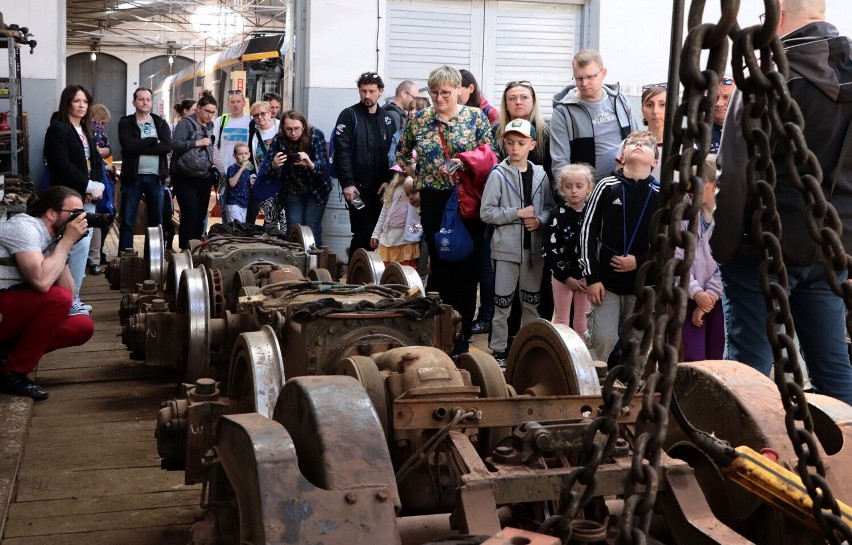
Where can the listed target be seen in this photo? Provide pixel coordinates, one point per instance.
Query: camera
(97, 221)
(293, 158)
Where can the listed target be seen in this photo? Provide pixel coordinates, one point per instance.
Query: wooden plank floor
(90, 474)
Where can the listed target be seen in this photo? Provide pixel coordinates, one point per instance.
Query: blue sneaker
(77, 308)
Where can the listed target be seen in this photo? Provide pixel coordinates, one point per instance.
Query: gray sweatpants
(508, 277)
(605, 321)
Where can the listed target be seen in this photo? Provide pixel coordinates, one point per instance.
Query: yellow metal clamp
(776, 485)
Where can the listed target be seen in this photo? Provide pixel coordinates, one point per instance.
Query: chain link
(776, 117)
(691, 132)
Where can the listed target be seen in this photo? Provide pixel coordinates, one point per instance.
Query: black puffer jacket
(821, 83)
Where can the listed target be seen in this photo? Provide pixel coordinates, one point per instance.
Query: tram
(265, 61)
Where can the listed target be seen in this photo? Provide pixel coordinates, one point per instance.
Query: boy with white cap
(517, 201)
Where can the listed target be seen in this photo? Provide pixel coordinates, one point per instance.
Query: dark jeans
(362, 222)
(455, 281)
(486, 280)
(818, 314)
(150, 186)
(304, 210)
(193, 197)
(253, 208)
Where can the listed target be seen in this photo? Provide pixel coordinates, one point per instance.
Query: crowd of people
(557, 213)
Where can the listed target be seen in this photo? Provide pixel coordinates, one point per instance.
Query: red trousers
(35, 323)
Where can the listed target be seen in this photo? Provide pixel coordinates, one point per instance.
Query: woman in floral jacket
(438, 134)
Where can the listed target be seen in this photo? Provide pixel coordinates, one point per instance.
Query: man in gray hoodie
(589, 119)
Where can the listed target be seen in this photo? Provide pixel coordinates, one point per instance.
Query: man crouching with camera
(36, 287)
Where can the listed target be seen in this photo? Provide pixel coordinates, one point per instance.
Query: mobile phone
(450, 166)
(293, 158)
(358, 203)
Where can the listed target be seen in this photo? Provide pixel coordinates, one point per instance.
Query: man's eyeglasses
(293, 130)
(259, 114)
(443, 94)
(369, 76)
(235, 92)
(80, 210)
(581, 79)
(209, 112)
(663, 85)
(146, 128)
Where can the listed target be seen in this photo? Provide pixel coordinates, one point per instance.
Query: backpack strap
(221, 128)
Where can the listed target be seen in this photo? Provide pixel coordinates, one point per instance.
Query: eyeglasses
(762, 17)
(663, 85)
(523, 82)
(581, 79)
(72, 210)
(260, 114)
(369, 76)
(726, 81)
(293, 130)
(644, 143)
(208, 112)
(443, 94)
(235, 92)
(146, 128)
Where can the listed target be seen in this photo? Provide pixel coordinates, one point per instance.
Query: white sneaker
(77, 308)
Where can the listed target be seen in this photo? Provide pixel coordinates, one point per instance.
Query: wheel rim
(155, 258)
(486, 373)
(256, 373)
(180, 262)
(365, 371)
(550, 359)
(244, 278)
(365, 268)
(304, 237)
(403, 275)
(194, 307)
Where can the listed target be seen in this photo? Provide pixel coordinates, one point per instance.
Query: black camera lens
(97, 221)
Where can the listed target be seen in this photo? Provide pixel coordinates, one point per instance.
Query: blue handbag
(453, 242)
(106, 205)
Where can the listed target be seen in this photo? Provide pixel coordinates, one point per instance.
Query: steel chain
(776, 117)
(667, 300)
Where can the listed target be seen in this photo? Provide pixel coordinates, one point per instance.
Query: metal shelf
(15, 120)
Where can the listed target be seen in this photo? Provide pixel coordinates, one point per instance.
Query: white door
(499, 41)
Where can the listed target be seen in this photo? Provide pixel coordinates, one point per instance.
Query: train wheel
(216, 283)
(155, 255)
(741, 406)
(365, 268)
(304, 237)
(365, 371)
(180, 262)
(485, 373)
(320, 275)
(403, 275)
(256, 374)
(335, 429)
(550, 359)
(193, 306)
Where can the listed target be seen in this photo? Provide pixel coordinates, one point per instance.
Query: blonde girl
(561, 246)
(397, 233)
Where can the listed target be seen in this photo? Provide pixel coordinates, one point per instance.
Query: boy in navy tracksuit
(517, 200)
(614, 239)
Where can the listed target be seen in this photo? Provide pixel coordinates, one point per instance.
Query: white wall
(339, 44)
(43, 72)
(639, 55)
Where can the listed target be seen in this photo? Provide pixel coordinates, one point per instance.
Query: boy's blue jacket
(612, 228)
(501, 201)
